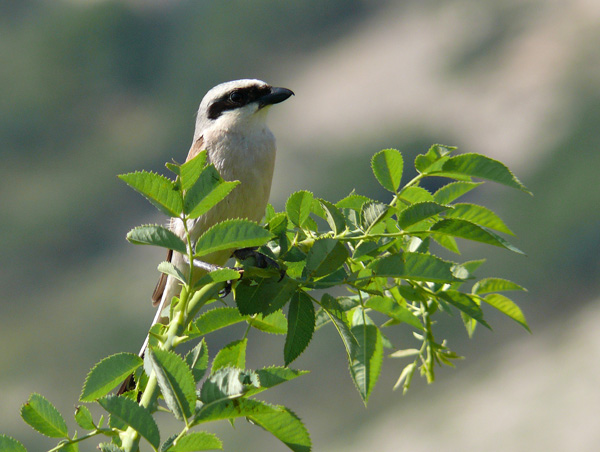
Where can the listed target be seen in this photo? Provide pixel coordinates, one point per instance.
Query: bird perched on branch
(231, 126)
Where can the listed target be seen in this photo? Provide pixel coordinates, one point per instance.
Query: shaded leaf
(418, 212)
(196, 441)
(465, 304)
(274, 323)
(218, 318)
(175, 380)
(83, 417)
(285, 426)
(301, 325)
(232, 355)
(325, 256)
(226, 383)
(135, 416)
(389, 307)
(169, 269)
(197, 359)
(334, 217)
(156, 235)
(365, 365)
(373, 213)
(273, 376)
(263, 297)
(479, 215)
(298, 207)
(488, 285)
(415, 266)
(454, 190)
(466, 230)
(337, 316)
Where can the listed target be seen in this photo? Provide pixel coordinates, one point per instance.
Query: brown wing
(197, 146)
(161, 284)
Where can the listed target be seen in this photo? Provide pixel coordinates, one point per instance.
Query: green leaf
(465, 304)
(232, 355)
(274, 323)
(508, 307)
(196, 441)
(387, 167)
(175, 380)
(479, 215)
(352, 201)
(285, 426)
(263, 296)
(337, 316)
(466, 230)
(230, 409)
(488, 285)
(415, 266)
(197, 359)
(454, 190)
(218, 318)
(301, 325)
(298, 207)
(389, 307)
(231, 234)
(334, 217)
(83, 417)
(135, 416)
(373, 213)
(109, 447)
(159, 190)
(156, 235)
(170, 270)
(190, 170)
(40, 414)
(418, 212)
(365, 365)
(476, 165)
(107, 374)
(433, 159)
(325, 256)
(227, 383)
(413, 195)
(207, 192)
(273, 376)
(8, 444)
(406, 377)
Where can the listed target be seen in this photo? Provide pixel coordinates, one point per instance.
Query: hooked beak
(276, 96)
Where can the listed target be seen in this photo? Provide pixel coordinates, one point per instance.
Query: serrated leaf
(325, 256)
(209, 190)
(285, 426)
(418, 212)
(170, 270)
(365, 365)
(479, 215)
(334, 217)
(465, 304)
(454, 190)
(389, 307)
(476, 165)
(109, 447)
(466, 230)
(197, 360)
(226, 383)
(387, 167)
(218, 275)
(372, 213)
(415, 266)
(42, 416)
(156, 235)
(107, 374)
(133, 415)
(8, 444)
(175, 380)
(263, 296)
(415, 194)
(83, 417)
(301, 325)
(433, 159)
(353, 201)
(273, 376)
(337, 316)
(190, 170)
(488, 285)
(298, 207)
(196, 441)
(218, 318)
(232, 355)
(274, 323)
(231, 234)
(508, 307)
(159, 190)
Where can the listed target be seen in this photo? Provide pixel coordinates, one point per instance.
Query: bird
(231, 125)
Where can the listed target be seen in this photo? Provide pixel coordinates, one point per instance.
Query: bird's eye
(236, 97)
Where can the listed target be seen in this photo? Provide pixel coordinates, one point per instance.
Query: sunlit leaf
(387, 167)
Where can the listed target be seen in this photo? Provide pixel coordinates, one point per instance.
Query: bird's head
(233, 104)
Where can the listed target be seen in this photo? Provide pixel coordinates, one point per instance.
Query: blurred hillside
(94, 89)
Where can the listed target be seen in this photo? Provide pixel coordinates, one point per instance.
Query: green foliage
(381, 253)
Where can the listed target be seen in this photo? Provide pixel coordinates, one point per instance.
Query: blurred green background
(91, 89)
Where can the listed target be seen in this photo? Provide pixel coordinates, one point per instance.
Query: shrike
(231, 126)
